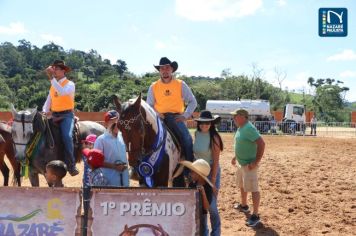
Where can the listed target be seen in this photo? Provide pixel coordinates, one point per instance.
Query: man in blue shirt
(113, 147)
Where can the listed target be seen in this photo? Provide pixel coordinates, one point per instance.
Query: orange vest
(58, 102)
(168, 97)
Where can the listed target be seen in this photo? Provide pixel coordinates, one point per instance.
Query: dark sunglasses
(204, 123)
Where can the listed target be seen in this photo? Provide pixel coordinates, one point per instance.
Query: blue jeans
(205, 225)
(67, 126)
(184, 137)
(213, 210)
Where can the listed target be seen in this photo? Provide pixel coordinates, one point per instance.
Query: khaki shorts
(247, 179)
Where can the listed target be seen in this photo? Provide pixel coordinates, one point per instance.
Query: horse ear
(126, 228)
(138, 102)
(117, 103)
(13, 110)
(33, 112)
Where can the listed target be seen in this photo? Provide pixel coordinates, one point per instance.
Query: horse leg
(4, 169)
(17, 170)
(35, 182)
(179, 181)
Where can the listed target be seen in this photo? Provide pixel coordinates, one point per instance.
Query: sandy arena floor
(308, 187)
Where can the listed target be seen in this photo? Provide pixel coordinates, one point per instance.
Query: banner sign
(141, 211)
(39, 211)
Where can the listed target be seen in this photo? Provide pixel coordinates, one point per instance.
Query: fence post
(86, 205)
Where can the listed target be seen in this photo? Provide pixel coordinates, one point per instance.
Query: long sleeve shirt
(114, 151)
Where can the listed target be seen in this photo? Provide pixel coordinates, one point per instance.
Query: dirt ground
(308, 187)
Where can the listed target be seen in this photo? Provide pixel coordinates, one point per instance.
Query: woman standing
(208, 145)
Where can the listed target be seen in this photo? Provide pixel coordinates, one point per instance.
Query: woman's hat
(90, 139)
(206, 116)
(201, 167)
(61, 64)
(95, 157)
(165, 61)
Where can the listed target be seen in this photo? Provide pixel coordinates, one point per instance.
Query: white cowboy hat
(201, 167)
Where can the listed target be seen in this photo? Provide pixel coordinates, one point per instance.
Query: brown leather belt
(61, 112)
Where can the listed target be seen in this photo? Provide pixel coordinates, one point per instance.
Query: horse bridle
(23, 122)
(126, 125)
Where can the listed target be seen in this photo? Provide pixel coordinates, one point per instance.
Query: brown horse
(7, 148)
(153, 154)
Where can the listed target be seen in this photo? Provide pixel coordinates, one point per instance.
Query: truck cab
(293, 118)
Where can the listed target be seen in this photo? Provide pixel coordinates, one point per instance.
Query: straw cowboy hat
(61, 64)
(165, 61)
(206, 116)
(201, 167)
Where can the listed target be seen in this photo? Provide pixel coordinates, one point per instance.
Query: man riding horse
(168, 96)
(60, 104)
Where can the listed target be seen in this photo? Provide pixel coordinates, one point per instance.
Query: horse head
(24, 125)
(137, 127)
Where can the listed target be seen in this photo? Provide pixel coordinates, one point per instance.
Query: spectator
(113, 147)
(87, 143)
(95, 160)
(55, 171)
(200, 170)
(249, 148)
(207, 146)
(313, 123)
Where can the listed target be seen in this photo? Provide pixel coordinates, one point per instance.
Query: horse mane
(151, 115)
(39, 122)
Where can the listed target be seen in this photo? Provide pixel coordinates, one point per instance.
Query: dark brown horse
(7, 148)
(38, 140)
(153, 154)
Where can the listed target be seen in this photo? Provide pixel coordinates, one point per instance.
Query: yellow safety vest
(61, 102)
(168, 97)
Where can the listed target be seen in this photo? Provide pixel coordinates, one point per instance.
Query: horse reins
(126, 126)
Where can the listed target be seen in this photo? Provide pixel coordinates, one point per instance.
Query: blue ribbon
(150, 163)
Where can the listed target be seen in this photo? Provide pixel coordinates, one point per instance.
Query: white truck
(293, 118)
(259, 112)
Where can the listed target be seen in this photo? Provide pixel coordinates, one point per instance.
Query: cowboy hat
(165, 61)
(61, 64)
(201, 167)
(206, 116)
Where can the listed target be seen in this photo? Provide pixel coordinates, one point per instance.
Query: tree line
(24, 83)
